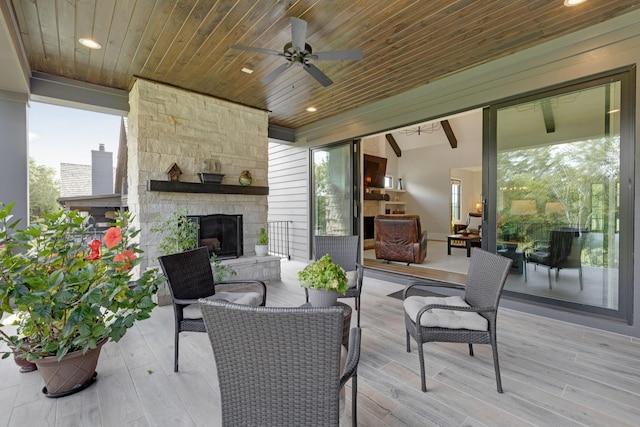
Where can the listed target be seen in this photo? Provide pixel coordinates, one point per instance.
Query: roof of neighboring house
(75, 180)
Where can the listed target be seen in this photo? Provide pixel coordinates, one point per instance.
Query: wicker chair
(280, 366)
(471, 319)
(190, 278)
(344, 251)
(563, 250)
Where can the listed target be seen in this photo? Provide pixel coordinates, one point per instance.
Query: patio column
(14, 161)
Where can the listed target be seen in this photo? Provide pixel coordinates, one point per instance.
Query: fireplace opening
(221, 234)
(369, 231)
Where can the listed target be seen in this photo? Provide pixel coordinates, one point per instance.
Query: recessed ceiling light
(247, 70)
(90, 43)
(312, 109)
(573, 2)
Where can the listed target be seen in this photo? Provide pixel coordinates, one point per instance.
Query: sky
(67, 135)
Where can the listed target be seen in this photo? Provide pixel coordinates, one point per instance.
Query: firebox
(221, 234)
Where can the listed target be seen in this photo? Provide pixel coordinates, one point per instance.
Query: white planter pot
(322, 298)
(261, 250)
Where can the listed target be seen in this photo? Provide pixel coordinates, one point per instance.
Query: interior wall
(426, 176)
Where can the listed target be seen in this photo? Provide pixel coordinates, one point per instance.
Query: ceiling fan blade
(256, 49)
(298, 33)
(317, 74)
(275, 73)
(338, 55)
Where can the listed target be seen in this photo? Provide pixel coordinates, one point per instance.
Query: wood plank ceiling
(186, 43)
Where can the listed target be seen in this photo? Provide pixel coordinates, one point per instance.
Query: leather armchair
(400, 238)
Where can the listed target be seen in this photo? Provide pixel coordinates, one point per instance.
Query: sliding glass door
(561, 212)
(332, 188)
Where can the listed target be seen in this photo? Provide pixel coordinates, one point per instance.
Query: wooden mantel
(197, 187)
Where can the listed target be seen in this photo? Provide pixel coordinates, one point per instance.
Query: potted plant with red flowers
(69, 293)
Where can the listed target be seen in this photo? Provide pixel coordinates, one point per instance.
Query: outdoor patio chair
(281, 366)
(190, 278)
(344, 251)
(470, 319)
(562, 250)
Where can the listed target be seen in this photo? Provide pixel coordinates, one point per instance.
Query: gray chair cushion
(244, 298)
(451, 319)
(352, 277)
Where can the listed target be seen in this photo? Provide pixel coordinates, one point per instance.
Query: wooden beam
(394, 145)
(446, 127)
(547, 115)
(196, 187)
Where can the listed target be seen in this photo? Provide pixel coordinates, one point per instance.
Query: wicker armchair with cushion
(190, 278)
(400, 238)
(470, 319)
(281, 366)
(562, 250)
(344, 251)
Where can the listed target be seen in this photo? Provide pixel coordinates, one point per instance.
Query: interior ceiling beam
(547, 115)
(446, 127)
(394, 145)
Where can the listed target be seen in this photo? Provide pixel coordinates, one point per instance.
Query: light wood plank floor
(553, 373)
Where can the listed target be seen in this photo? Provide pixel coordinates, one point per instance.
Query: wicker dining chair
(190, 278)
(470, 319)
(280, 366)
(344, 251)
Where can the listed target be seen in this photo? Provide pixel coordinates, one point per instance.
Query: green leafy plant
(179, 233)
(324, 274)
(263, 239)
(67, 290)
(220, 271)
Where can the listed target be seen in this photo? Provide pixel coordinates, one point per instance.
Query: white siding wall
(289, 194)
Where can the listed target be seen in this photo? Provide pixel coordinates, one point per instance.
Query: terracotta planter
(322, 298)
(75, 372)
(24, 364)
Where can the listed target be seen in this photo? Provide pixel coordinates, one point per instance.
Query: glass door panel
(558, 195)
(332, 190)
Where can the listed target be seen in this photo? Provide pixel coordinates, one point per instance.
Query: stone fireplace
(168, 125)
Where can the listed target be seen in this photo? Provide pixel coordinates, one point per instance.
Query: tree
(44, 190)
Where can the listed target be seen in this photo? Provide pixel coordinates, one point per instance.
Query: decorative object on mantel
(399, 183)
(245, 178)
(212, 165)
(210, 178)
(174, 172)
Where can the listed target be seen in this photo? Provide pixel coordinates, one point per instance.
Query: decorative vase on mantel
(322, 297)
(245, 178)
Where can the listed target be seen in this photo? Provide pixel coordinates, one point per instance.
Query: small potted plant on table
(70, 293)
(325, 281)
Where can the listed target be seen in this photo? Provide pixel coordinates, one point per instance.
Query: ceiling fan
(298, 52)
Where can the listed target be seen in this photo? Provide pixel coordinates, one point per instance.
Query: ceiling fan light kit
(299, 52)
